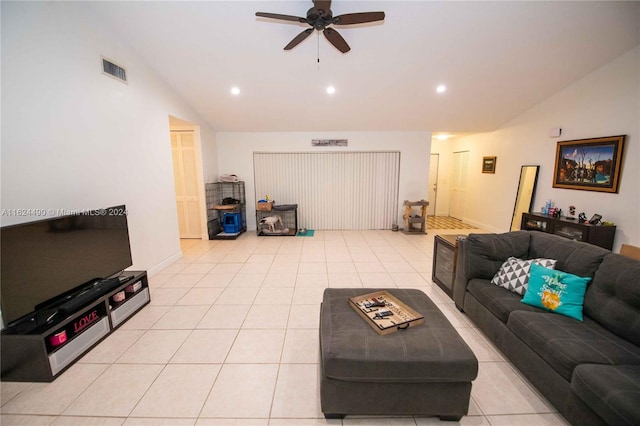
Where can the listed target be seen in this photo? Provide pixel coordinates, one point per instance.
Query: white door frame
(199, 172)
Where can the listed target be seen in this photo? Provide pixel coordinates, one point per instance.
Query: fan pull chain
(318, 39)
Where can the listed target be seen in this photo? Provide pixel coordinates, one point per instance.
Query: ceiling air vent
(113, 70)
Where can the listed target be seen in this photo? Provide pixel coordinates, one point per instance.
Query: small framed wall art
(589, 164)
(489, 164)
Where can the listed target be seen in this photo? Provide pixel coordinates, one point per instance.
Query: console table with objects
(598, 235)
(41, 347)
(445, 254)
(425, 369)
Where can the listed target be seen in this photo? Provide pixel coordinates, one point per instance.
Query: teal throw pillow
(556, 291)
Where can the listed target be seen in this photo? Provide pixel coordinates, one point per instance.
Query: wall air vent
(113, 70)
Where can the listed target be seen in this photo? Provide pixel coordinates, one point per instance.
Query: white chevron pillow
(514, 273)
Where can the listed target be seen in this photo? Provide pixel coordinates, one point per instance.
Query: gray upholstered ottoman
(424, 370)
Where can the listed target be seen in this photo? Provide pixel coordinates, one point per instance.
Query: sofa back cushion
(574, 257)
(486, 252)
(613, 298)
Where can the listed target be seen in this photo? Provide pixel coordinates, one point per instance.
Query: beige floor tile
(304, 316)
(198, 268)
(248, 279)
(267, 316)
(376, 280)
(318, 279)
(205, 347)
(242, 391)
(499, 390)
(53, 398)
(408, 279)
(479, 344)
(115, 392)
(465, 421)
(166, 296)
(157, 421)
(154, 347)
(399, 266)
(369, 267)
(257, 346)
(301, 346)
(237, 296)
(227, 268)
(307, 295)
(297, 392)
(25, 420)
(179, 391)
(200, 296)
(181, 318)
(87, 420)
(344, 280)
(274, 295)
(312, 268)
(220, 280)
(10, 389)
(528, 419)
(224, 316)
(182, 280)
(112, 348)
(145, 318)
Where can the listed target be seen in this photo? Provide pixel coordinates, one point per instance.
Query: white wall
(73, 138)
(235, 155)
(605, 103)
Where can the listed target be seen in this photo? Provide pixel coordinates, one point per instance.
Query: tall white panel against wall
(333, 190)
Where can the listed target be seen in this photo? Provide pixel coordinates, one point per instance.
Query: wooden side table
(445, 254)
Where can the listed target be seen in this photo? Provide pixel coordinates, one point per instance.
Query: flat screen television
(43, 261)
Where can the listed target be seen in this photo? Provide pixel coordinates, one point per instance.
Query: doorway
(434, 160)
(183, 152)
(459, 185)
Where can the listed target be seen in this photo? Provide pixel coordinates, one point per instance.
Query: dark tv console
(41, 347)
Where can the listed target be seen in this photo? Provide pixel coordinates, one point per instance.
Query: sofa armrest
(481, 255)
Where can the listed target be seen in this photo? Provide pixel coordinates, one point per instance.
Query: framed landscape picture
(589, 164)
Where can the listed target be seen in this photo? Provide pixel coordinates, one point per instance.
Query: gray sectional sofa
(589, 370)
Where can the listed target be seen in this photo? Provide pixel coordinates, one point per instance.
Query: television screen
(46, 259)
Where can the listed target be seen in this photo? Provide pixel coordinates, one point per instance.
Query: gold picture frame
(589, 164)
(489, 164)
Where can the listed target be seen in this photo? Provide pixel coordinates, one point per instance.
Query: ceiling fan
(320, 17)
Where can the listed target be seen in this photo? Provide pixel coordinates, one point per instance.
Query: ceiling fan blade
(298, 39)
(336, 39)
(281, 17)
(324, 5)
(357, 18)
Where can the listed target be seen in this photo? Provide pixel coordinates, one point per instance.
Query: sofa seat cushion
(564, 342)
(612, 391)
(498, 300)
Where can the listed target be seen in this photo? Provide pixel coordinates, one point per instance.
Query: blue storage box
(231, 222)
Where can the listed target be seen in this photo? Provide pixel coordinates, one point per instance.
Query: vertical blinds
(333, 190)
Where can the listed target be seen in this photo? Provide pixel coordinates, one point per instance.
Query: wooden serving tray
(402, 316)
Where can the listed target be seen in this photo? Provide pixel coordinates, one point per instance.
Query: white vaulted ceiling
(497, 60)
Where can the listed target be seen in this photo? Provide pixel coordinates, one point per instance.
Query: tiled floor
(231, 338)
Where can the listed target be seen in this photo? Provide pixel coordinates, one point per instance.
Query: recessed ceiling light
(235, 90)
(331, 90)
(442, 137)
(441, 88)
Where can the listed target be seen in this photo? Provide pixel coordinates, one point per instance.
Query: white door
(186, 184)
(433, 183)
(459, 185)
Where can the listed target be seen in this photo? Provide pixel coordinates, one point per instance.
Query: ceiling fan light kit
(320, 17)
